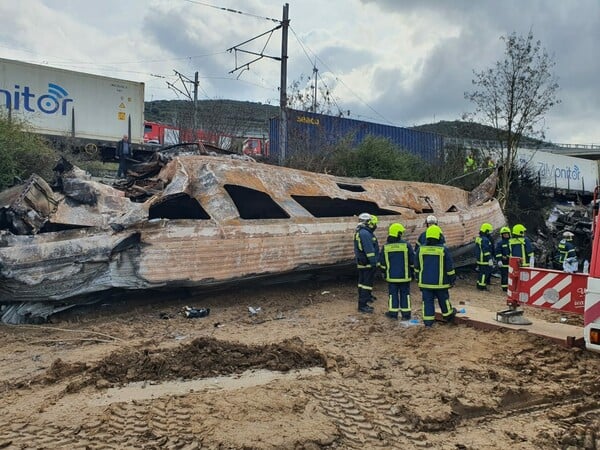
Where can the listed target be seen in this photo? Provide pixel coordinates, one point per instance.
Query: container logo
(55, 101)
(565, 172)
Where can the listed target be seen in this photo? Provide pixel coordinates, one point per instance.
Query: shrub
(22, 153)
(378, 158)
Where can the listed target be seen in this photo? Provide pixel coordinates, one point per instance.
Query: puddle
(145, 390)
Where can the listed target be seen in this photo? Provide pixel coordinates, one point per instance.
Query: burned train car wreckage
(198, 221)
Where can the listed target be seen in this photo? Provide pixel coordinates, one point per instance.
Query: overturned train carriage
(213, 220)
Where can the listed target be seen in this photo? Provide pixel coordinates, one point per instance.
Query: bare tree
(513, 97)
(305, 95)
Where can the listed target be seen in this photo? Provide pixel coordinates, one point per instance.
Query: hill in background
(252, 119)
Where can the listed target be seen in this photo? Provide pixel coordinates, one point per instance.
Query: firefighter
(470, 164)
(366, 250)
(435, 269)
(397, 261)
(520, 245)
(484, 248)
(567, 255)
(431, 220)
(502, 255)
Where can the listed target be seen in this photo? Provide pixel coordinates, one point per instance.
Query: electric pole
(196, 106)
(283, 129)
(284, 25)
(314, 107)
(193, 97)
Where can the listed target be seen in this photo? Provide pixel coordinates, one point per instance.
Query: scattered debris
(253, 311)
(193, 313)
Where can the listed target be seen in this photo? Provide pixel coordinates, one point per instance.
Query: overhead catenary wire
(364, 102)
(235, 11)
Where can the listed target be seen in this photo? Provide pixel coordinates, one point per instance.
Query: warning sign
(122, 105)
(121, 115)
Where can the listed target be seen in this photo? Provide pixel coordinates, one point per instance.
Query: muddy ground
(305, 372)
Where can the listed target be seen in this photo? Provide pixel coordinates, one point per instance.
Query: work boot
(391, 315)
(372, 299)
(365, 309)
(450, 319)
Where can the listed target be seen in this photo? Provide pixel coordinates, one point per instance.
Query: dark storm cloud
(345, 59)
(567, 30)
(198, 42)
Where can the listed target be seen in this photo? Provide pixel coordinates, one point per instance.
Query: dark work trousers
(485, 275)
(399, 299)
(504, 277)
(122, 172)
(365, 285)
(443, 297)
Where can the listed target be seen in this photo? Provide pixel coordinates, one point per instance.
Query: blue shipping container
(314, 133)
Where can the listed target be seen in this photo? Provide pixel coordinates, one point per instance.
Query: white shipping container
(57, 101)
(560, 171)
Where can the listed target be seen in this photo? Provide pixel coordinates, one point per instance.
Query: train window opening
(253, 204)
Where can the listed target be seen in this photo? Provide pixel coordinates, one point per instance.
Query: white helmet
(431, 220)
(364, 217)
(568, 235)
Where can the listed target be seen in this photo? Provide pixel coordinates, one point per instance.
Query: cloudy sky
(400, 62)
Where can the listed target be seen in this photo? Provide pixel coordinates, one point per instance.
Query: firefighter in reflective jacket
(436, 275)
(431, 220)
(520, 245)
(397, 261)
(366, 250)
(502, 255)
(484, 249)
(567, 253)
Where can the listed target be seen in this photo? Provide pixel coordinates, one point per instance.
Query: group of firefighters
(431, 264)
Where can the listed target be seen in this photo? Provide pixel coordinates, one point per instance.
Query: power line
(235, 11)
(340, 80)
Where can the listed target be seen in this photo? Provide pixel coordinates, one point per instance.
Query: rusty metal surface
(119, 244)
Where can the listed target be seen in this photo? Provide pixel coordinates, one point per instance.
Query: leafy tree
(513, 97)
(22, 153)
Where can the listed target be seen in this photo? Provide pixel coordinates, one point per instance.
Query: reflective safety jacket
(521, 247)
(397, 260)
(566, 249)
(422, 240)
(366, 247)
(503, 250)
(435, 267)
(470, 164)
(483, 249)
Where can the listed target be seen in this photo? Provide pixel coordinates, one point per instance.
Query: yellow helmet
(486, 228)
(504, 230)
(373, 221)
(433, 232)
(396, 229)
(519, 230)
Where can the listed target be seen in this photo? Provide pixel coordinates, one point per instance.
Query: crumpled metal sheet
(25, 209)
(116, 244)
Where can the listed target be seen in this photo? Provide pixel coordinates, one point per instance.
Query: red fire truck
(577, 293)
(162, 134)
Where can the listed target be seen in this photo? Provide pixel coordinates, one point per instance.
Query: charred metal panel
(25, 209)
(190, 232)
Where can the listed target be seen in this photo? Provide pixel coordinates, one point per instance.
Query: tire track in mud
(159, 424)
(372, 421)
(367, 420)
(581, 403)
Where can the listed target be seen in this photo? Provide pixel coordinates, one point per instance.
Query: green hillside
(248, 118)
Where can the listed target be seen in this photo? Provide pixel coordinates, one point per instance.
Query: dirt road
(305, 372)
